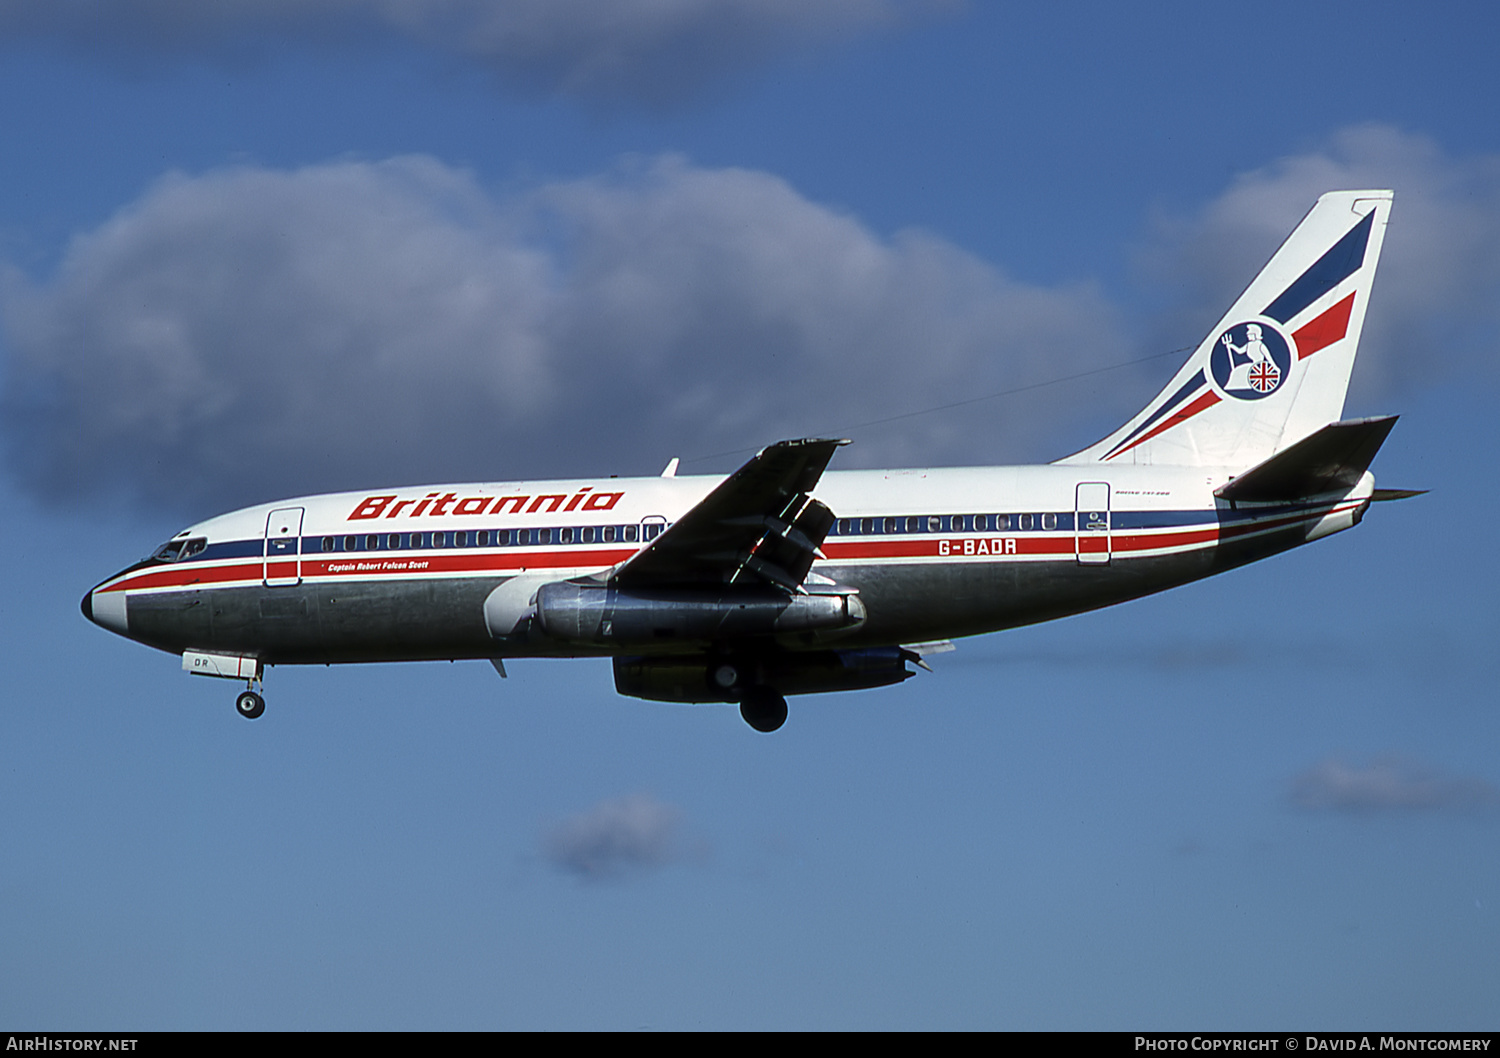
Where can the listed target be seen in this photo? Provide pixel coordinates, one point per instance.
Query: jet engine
(603, 615)
(731, 678)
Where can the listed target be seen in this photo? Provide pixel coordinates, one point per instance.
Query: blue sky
(276, 248)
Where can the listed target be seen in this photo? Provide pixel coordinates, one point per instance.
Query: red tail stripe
(1208, 400)
(1326, 329)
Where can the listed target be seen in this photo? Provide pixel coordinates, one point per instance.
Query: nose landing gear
(231, 667)
(249, 704)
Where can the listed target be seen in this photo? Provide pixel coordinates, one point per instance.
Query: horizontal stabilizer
(1332, 459)
(1384, 495)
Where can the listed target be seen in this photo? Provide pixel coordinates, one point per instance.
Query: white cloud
(1388, 785)
(251, 333)
(616, 838)
(648, 50)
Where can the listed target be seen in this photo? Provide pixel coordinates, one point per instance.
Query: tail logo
(1251, 360)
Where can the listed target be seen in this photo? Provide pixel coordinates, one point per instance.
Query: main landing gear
(763, 709)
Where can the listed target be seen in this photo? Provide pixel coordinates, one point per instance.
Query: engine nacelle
(600, 614)
(705, 678)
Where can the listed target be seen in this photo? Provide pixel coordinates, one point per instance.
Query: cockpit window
(169, 551)
(177, 550)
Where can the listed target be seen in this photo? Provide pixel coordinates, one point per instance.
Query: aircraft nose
(106, 609)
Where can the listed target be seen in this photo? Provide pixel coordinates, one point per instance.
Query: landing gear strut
(763, 709)
(250, 704)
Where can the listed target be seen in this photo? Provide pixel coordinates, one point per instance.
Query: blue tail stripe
(1335, 266)
(1192, 386)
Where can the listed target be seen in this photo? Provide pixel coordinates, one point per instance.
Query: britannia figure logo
(1251, 360)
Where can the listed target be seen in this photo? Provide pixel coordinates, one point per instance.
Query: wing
(759, 527)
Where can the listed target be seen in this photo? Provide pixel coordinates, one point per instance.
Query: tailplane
(1276, 368)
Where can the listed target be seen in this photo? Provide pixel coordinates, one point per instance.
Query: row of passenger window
(950, 523)
(631, 534)
(587, 534)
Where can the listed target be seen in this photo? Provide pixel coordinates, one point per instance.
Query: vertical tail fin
(1277, 366)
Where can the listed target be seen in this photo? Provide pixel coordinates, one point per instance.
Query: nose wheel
(249, 704)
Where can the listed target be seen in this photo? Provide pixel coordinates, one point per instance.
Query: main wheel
(763, 709)
(250, 705)
(726, 676)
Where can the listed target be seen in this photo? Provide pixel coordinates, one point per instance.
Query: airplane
(785, 578)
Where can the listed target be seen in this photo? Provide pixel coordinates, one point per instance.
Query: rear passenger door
(1091, 524)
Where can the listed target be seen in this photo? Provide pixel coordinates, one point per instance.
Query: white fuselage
(414, 572)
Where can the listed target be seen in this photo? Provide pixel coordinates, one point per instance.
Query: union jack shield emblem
(1264, 377)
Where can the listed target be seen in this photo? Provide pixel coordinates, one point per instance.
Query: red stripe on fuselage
(373, 564)
(1061, 543)
(427, 562)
